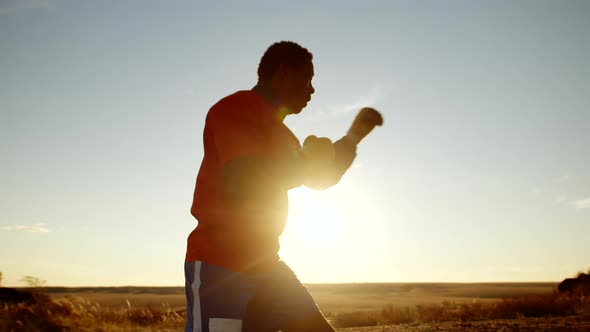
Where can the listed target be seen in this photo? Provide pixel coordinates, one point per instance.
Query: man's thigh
(222, 300)
(216, 298)
(282, 303)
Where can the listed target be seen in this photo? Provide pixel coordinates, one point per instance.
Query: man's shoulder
(239, 99)
(244, 105)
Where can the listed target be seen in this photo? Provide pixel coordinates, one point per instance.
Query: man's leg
(282, 303)
(216, 298)
(189, 280)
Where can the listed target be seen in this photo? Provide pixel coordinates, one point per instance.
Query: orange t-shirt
(244, 233)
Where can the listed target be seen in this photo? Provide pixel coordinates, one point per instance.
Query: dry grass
(340, 298)
(76, 314)
(547, 305)
(382, 304)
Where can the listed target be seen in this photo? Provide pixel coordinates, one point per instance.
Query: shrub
(433, 313)
(473, 311)
(553, 304)
(395, 315)
(31, 316)
(45, 314)
(356, 318)
(549, 305)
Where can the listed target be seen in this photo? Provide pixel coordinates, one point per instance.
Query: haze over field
(480, 172)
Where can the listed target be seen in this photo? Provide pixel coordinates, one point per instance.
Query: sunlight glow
(315, 221)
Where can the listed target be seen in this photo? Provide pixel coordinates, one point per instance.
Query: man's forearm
(328, 175)
(253, 175)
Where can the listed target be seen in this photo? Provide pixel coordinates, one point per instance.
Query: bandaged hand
(363, 124)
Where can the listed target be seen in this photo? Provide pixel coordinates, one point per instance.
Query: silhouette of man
(235, 280)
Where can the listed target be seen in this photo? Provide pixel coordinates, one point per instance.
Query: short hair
(285, 53)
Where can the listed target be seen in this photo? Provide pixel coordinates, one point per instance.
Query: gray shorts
(219, 299)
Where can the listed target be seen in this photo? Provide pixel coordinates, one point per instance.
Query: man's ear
(281, 75)
(282, 72)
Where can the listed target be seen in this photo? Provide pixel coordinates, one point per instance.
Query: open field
(116, 297)
(331, 298)
(338, 298)
(383, 307)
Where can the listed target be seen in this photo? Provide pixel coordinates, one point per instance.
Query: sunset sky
(481, 171)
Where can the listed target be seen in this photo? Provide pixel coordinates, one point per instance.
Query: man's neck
(267, 93)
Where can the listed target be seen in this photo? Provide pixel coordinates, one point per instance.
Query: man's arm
(322, 176)
(318, 165)
(254, 175)
(344, 150)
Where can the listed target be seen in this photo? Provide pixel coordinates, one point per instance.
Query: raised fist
(363, 123)
(318, 150)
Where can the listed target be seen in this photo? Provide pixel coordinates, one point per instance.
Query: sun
(315, 221)
(324, 230)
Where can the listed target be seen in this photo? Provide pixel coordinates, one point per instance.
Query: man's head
(287, 69)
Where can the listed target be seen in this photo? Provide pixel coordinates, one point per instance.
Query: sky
(480, 172)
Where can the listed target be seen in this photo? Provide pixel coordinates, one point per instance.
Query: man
(235, 280)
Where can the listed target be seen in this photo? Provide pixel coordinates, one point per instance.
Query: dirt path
(571, 323)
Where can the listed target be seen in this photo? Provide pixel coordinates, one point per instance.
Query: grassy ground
(332, 298)
(342, 298)
(350, 307)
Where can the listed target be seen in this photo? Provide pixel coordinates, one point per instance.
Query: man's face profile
(295, 87)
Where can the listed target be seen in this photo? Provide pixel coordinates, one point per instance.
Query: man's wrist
(352, 138)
